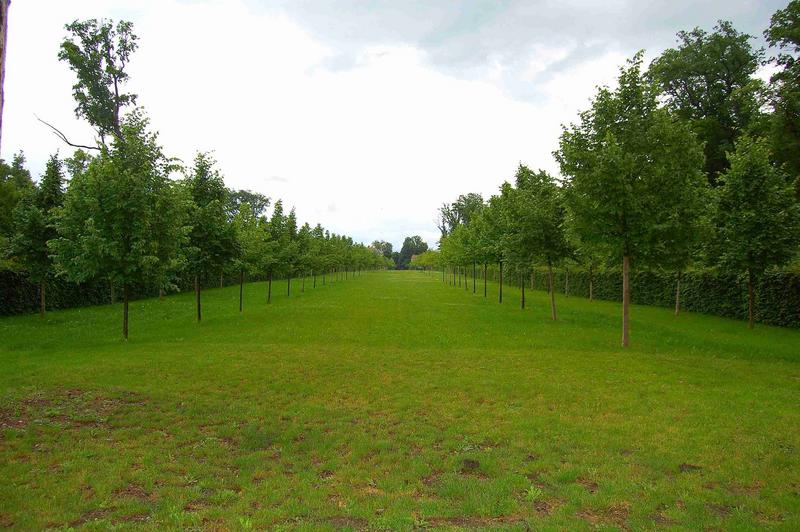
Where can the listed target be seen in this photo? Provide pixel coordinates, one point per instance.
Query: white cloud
(370, 151)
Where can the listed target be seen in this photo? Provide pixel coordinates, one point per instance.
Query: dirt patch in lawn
(616, 514)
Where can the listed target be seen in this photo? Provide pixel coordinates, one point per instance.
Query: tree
(15, 182)
(412, 245)
(212, 239)
(459, 212)
(757, 216)
(3, 45)
(383, 247)
(709, 81)
(629, 164)
(258, 203)
(253, 245)
(536, 218)
(34, 227)
(123, 219)
(784, 34)
(98, 53)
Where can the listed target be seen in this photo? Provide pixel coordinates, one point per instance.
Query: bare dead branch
(63, 137)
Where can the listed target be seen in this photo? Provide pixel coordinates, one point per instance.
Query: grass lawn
(395, 401)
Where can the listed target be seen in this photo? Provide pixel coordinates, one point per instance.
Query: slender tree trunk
(197, 297)
(474, 274)
(3, 42)
(161, 293)
(522, 282)
(750, 299)
(125, 296)
(678, 294)
(566, 282)
(552, 286)
(591, 283)
(220, 280)
(485, 266)
(466, 280)
(269, 287)
(626, 300)
(241, 289)
(501, 281)
(42, 306)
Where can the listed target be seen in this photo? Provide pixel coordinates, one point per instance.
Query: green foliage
(98, 53)
(123, 219)
(412, 245)
(633, 172)
(757, 218)
(709, 81)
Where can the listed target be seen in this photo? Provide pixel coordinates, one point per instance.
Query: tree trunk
(42, 306)
(241, 289)
(220, 280)
(750, 299)
(566, 282)
(161, 293)
(269, 287)
(678, 294)
(197, 297)
(125, 296)
(591, 283)
(552, 286)
(3, 42)
(474, 273)
(466, 280)
(485, 266)
(501, 281)
(626, 300)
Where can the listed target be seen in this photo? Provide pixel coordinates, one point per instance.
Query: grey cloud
(464, 38)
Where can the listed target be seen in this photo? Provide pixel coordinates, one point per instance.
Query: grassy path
(394, 401)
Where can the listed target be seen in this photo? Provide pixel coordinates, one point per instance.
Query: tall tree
(4, 4)
(34, 227)
(757, 217)
(628, 164)
(709, 81)
(383, 247)
(459, 212)
(784, 34)
(212, 240)
(412, 245)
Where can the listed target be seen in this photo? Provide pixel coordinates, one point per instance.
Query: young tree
(536, 217)
(212, 239)
(34, 227)
(253, 246)
(123, 218)
(757, 216)
(629, 163)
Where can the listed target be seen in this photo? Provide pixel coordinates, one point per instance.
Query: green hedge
(706, 291)
(19, 296)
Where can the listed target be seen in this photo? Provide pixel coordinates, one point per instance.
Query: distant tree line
(121, 218)
(412, 246)
(692, 162)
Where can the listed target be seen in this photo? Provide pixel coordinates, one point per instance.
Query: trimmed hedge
(777, 293)
(19, 296)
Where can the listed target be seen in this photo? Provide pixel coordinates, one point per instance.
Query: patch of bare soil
(720, 510)
(134, 491)
(432, 479)
(471, 522)
(659, 518)
(546, 507)
(92, 515)
(689, 468)
(616, 515)
(590, 485)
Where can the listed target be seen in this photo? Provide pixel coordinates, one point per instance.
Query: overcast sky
(365, 116)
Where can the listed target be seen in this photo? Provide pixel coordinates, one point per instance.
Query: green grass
(394, 401)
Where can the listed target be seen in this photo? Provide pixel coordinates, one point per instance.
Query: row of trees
(692, 161)
(123, 219)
